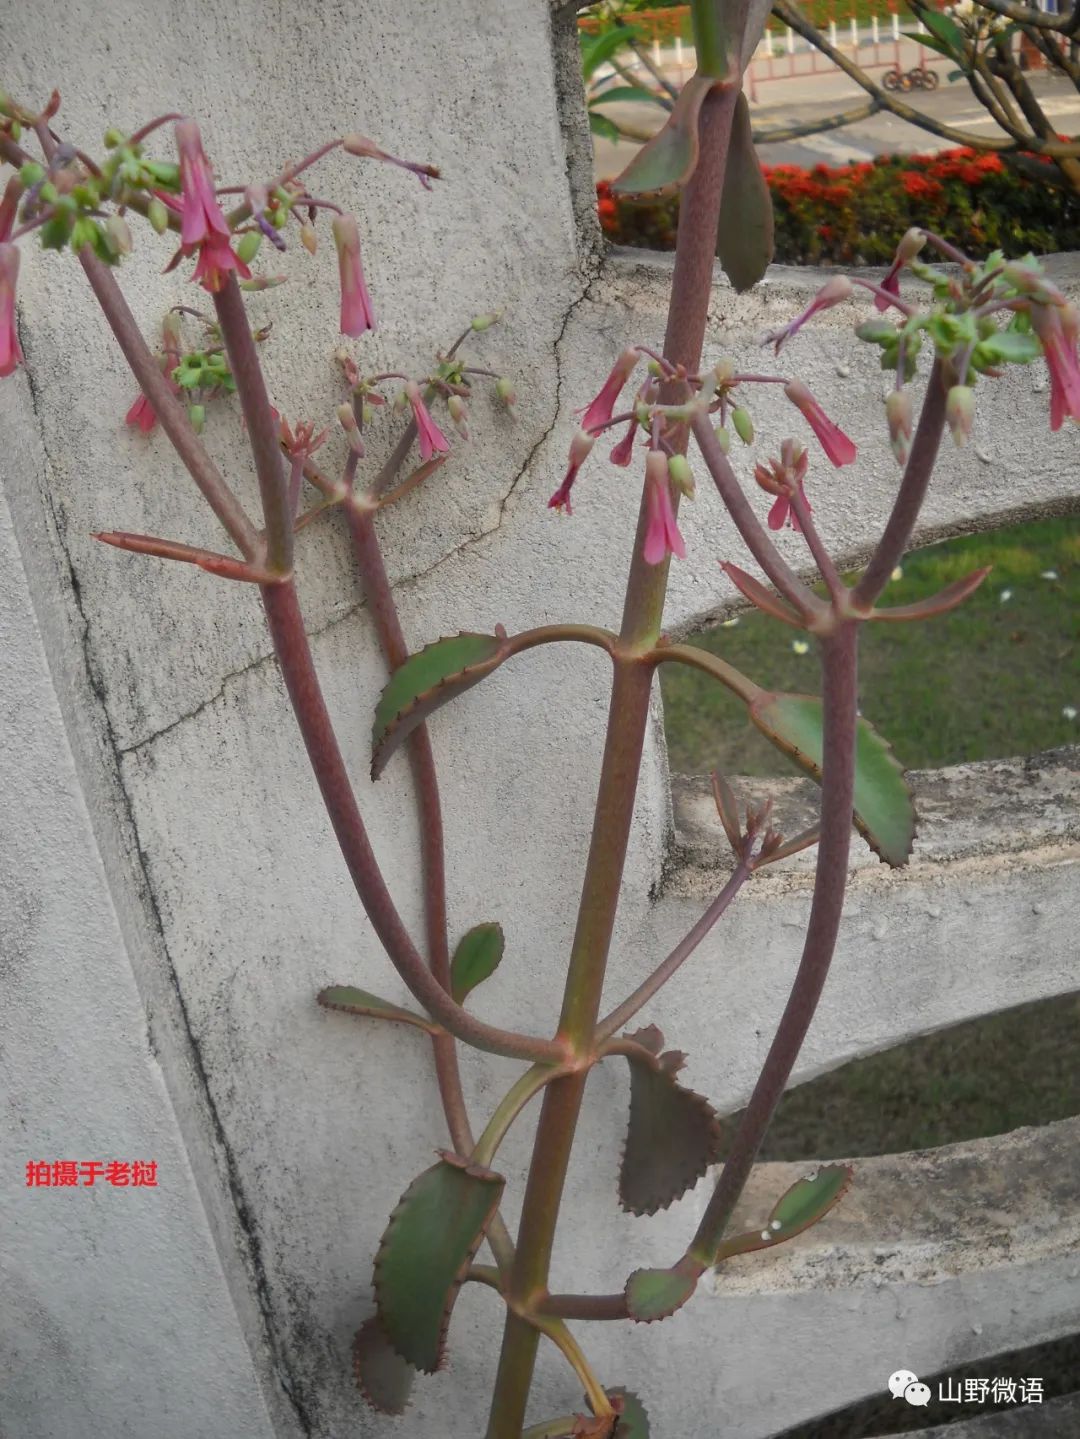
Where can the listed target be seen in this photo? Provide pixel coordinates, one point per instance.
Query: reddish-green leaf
(633, 1420)
(653, 1294)
(430, 1240)
(939, 604)
(477, 956)
(427, 680)
(359, 1001)
(808, 1200)
(884, 812)
(744, 237)
(672, 1138)
(384, 1378)
(762, 598)
(667, 161)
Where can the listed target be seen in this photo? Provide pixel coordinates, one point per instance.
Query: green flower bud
(504, 388)
(113, 138)
(723, 437)
(743, 424)
(655, 369)
(118, 235)
(47, 194)
(248, 245)
(485, 322)
(680, 475)
(158, 215)
(278, 217)
(31, 173)
(197, 416)
(960, 412)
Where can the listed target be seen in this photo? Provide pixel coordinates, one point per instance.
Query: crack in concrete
(303, 1405)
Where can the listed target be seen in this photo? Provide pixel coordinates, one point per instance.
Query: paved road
(784, 101)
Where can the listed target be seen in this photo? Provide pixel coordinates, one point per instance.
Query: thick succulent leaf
(653, 1294)
(431, 1238)
(762, 598)
(808, 1200)
(939, 604)
(384, 1378)
(673, 1136)
(884, 812)
(744, 237)
(477, 956)
(633, 1420)
(359, 1001)
(667, 161)
(427, 680)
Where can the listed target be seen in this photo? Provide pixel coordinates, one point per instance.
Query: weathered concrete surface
(303, 1128)
(1055, 1419)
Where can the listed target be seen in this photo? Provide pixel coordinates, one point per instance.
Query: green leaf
(744, 237)
(633, 1420)
(427, 680)
(1010, 346)
(932, 42)
(620, 94)
(807, 1201)
(667, 161)
(673, 1135)
(424, 1254)
(476, 958)
(653, 1294)
(384, 1378)
(884, 812)
(605, 128)
(596, 51)
(943, 28)
(359, 1001)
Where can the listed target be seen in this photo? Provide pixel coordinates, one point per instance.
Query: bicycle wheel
(930, 80)
(891, 79)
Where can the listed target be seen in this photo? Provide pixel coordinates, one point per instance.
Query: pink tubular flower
(200, 213)
(141, 414)
(782, 478)
(838, 447)
(782, 511)
(906, 251)
(357, 312)
(598, 414)
(216, 258)
(662, 537)
(10, 351)
(431, 438)
(1058, 340)
(580, 447)
(622, 453)
(831, 293)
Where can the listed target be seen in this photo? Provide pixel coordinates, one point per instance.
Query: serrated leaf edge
(667, 1313)
(661, 1065)
(383, 745)
(782, 1235)
(369, 1325)
(475, 1171)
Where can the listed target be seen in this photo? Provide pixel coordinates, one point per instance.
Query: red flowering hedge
(853, 214)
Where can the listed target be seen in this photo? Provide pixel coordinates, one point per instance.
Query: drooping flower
(598, 414)
(362, 146)
(783, 478)
(580, 446)
(200, 213)
(831, 293)
(622, 453)
(662, 537)
(432, 440)
(906, 251)
(201, 222)
(839, 448)
(960, 412)
(10, 351)
(141, 414)
(357, 312)
(1056, 327)
(899, 415)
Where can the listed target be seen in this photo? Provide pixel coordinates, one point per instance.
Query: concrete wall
(176, 899)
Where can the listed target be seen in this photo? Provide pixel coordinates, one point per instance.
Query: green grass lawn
(993, 679)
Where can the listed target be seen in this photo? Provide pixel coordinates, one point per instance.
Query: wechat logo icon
(905, 1385)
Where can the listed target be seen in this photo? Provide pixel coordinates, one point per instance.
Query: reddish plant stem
(369, 559)
(627, 722)
(678, 956)
(170, 412)
(839, 667)
(286, 624)
(916, 481)
(261, 426)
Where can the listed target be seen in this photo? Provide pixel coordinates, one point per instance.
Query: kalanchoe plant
(979, 318)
